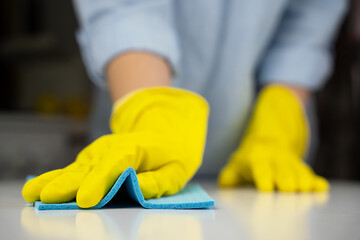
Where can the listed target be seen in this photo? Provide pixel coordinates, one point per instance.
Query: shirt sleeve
(111, 27)
(300, 53)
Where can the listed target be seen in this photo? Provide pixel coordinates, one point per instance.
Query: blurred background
(45, 95)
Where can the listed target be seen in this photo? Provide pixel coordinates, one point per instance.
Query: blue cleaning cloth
(192, 196)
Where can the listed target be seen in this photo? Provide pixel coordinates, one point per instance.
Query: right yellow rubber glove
(160, 132)
(270, 155)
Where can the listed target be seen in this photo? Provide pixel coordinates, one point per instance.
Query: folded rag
(192, 196)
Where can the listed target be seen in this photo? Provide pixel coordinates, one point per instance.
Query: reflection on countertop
(242, 213)
(272, 215)
(135, 223)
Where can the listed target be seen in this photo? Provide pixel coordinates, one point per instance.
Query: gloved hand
(160, 132)
(270, 155)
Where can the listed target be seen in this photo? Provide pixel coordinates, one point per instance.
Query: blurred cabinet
(39, 55)
(339, 106)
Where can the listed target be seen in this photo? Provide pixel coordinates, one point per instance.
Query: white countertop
(240, 213)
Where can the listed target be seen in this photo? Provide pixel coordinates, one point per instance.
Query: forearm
(302, 93)
(134, 70)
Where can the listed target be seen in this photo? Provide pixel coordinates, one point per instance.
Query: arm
(134, 70)
(132, 44)
(300, 53)
(138, 32)
(297, 62)
(303, 94)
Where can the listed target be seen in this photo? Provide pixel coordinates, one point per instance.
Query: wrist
(283, 107)
(301, 93)
(134, 70)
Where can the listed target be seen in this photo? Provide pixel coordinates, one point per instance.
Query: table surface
(241, 213)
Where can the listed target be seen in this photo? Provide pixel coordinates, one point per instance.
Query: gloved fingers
(32, 188)
(305, 177)
(103, 176)
(263, 177)
(308, 180)
(64, 187)
(230, 177)
(285, 178)
(321, 184)
(167, 180)
(94, 151)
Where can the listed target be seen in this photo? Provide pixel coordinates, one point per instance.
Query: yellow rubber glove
(270, 155)
(160, 132)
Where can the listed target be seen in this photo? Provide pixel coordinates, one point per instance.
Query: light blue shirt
(223, 50)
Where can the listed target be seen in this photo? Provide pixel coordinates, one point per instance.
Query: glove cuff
(127, 108)
(300, 116)
(279, 116)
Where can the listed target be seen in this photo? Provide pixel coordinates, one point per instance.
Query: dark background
(338, 106)
(45, 95)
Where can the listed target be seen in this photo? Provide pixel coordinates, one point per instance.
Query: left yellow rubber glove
(160, 132)
(270, 155)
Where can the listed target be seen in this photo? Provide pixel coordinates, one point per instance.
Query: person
(255, 62)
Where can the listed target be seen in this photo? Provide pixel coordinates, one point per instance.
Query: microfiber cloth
(192, 196)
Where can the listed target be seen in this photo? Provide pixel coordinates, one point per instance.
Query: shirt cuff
(306, 68)
(113, 35)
